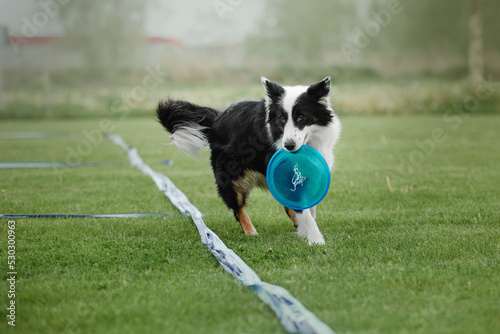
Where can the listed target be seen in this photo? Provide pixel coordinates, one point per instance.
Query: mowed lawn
(411, 223)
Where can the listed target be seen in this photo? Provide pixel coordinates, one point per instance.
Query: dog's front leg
(313, 212)
(307, 227)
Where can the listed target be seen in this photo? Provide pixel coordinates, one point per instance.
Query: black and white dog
(244, 138)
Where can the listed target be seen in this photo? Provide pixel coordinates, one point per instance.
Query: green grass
(380, 97)
(422, 258)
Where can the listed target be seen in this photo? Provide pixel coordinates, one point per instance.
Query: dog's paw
(316, 239)
(313, 239)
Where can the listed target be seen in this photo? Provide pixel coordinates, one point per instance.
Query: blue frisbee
(298, 180)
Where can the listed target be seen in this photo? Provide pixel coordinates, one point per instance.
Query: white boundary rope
(292, 314)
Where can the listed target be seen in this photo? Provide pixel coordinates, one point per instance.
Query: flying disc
(298, 180)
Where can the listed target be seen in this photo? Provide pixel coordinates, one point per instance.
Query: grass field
(412, 230)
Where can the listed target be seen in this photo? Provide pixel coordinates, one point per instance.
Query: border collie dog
(243, 139)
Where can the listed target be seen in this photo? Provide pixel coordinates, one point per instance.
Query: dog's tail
(188, 124)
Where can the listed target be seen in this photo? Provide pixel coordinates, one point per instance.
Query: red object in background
(45, 40)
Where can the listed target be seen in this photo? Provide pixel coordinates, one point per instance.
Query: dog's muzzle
(290, 145)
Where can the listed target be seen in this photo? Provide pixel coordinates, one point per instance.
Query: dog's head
(294, 112)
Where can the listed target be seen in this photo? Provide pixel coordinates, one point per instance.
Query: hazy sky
(194, 22)
(200, 22)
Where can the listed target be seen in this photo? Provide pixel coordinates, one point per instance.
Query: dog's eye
(283, 119)
(301, 117)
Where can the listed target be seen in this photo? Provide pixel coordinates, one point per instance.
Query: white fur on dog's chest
(323, 139)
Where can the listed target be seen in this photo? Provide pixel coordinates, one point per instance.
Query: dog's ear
(273, 90)
(320, 90)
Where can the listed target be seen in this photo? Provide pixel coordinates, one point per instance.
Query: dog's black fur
(244, 137)
(237, 137)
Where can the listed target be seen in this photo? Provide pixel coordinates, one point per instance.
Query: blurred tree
(107, 33)
(425, 28)
(456, 30)
(476, 59)
(424, 31)
(298, 31)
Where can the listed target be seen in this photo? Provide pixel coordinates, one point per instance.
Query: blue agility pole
(37, 134)
(30, 165)
(106, 215)
(294, 317)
